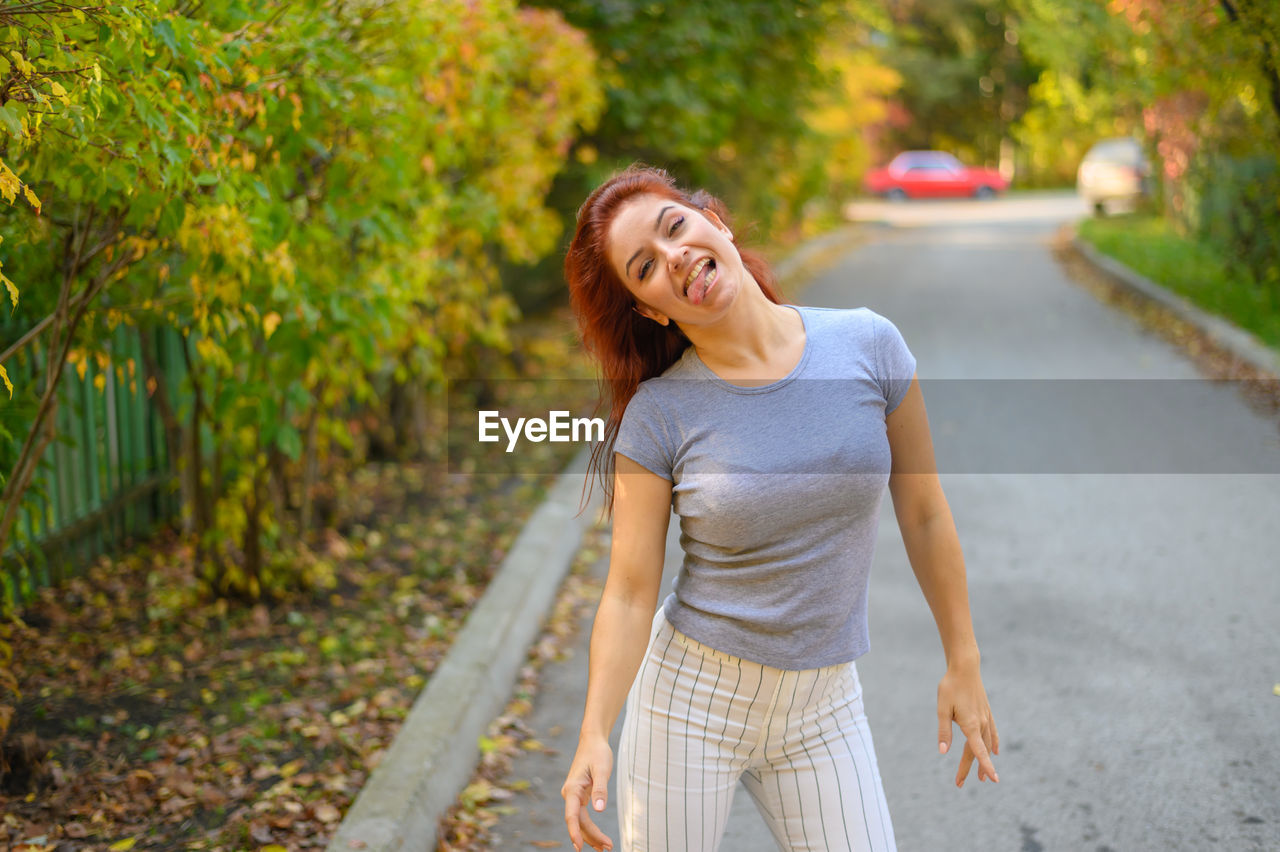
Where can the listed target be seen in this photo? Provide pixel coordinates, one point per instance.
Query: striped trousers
(698, 721)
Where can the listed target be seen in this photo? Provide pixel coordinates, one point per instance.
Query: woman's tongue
(698, 289)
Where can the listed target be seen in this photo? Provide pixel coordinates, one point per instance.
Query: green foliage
(965, 76)
(1198, 81)
(1238, 214)
(721, 93)
(1091, 86)
(315, 194)
(1206, 276)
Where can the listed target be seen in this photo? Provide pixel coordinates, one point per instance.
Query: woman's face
(678, 262)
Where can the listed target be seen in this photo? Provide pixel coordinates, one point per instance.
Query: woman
(771, 430)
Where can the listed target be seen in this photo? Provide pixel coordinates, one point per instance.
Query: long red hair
(629, 347)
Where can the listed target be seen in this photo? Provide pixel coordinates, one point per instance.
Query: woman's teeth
(701, 279)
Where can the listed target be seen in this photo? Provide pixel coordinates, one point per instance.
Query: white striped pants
(698, 720)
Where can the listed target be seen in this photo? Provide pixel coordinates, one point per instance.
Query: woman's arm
(933, 547)
(641, 510)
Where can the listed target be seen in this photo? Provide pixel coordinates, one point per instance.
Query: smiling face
(678, 262)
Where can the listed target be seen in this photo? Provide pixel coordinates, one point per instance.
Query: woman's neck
(758, 340)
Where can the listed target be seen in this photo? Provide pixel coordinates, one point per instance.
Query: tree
(102, 155)
(315, 196)
(718, 92)
(965, 76)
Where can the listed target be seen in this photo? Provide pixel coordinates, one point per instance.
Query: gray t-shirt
(778, 490)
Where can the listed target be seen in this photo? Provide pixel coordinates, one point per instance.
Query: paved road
(1130, 622)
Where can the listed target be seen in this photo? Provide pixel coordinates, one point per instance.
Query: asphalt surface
(1129, 621)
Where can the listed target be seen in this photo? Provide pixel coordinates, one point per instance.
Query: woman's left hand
(962, 699)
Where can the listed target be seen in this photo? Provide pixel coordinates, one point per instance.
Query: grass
(1150, 246)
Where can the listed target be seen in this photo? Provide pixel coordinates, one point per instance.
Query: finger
(995, 736)
(592, 834)
(966, 761)
(572, 811)
(600, 791)
(974, 740)
(944, 730)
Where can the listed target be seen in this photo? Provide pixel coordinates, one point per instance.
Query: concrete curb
(434, 754)
(1237, 341)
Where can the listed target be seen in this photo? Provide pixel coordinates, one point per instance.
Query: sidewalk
(538, 818)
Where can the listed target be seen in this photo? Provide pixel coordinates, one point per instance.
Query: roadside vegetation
(1151, 246)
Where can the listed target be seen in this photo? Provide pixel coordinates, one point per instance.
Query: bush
(1239, 214)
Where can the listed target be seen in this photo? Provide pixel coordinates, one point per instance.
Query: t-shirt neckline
(708, 373)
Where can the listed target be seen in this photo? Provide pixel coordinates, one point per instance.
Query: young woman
(771, 430)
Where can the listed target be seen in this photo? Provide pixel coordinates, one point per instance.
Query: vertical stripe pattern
(698, 721)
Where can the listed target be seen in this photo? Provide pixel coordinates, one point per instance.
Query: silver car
(1114, 175)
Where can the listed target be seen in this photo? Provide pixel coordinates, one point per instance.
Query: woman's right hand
(586, 789)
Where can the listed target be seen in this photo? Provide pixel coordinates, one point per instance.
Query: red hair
(629, 347)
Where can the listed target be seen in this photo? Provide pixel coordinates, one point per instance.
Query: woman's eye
(644, 269)
(675, 226)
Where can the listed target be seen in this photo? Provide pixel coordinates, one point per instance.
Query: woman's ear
(715, 220)
(649, 313)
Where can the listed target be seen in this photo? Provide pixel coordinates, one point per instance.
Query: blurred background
(278, 220)
(245, 246)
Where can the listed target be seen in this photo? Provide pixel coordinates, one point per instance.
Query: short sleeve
(644, 436)
(895, 364)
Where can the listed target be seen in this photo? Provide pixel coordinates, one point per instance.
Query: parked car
(932, 174)
(1114, 174)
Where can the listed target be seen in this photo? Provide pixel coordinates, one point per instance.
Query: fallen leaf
(476, 793)
(326, 813)
(264, 770)
(123, 845)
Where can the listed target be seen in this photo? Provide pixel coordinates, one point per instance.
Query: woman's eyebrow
(656, 225)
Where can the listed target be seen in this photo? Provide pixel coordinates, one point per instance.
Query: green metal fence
(107, 477)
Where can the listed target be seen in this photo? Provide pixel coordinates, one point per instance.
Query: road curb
(434, 754)
(1235, 340)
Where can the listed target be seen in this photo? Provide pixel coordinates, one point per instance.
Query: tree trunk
(66, 320)
(278, 492)
(173, 438)
(252, 544)
(310, 463)
(201, 516)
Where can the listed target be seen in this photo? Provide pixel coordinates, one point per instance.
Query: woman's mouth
(701, 279)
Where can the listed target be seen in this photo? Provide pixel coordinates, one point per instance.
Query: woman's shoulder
(682, 367)
(848, 323)
(839, 316)
(655, 389)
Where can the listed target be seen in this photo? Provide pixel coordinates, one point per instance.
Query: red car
(932, 174)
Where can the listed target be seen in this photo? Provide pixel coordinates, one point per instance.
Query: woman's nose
(676, 256)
